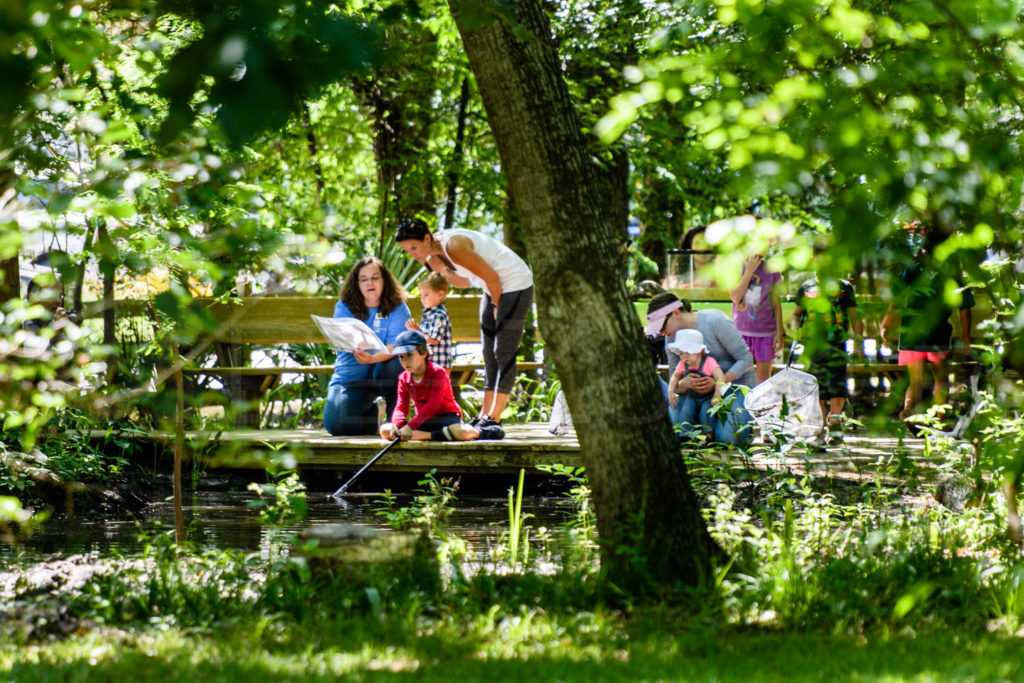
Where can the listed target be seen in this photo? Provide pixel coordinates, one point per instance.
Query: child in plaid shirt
(436, 325)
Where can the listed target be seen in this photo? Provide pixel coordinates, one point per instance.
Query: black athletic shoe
(475, 422)
(491, 432)
(487, 421)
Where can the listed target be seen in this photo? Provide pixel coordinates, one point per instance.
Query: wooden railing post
(179, 448)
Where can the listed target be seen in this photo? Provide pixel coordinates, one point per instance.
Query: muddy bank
(39, 486)
(35, 596)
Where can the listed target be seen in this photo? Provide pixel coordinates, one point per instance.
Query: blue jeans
(692, 412)
(349, 409)
(730, 427)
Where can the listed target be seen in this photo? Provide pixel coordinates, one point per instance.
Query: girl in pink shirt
(690, 378)
(757, 312)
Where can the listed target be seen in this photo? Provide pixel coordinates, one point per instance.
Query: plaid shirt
(437, 325)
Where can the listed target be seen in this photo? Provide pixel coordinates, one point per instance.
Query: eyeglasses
(368, 280)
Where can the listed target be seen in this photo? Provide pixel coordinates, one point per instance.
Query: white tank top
(513, 273)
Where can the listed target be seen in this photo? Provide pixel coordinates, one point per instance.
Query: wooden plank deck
(525, 446)
(862, 457)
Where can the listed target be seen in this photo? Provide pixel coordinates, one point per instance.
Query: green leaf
(59, 204)
(118, 210)
(918, 594)
(168, 305)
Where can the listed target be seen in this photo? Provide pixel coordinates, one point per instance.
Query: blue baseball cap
(410, 340)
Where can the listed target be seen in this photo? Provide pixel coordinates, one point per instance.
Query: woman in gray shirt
(666, 315)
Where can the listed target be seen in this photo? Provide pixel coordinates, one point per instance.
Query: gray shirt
(725, 345)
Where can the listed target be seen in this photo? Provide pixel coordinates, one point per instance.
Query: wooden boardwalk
(525, 446)
(861, 457)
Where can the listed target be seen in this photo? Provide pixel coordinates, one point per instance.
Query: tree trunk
(106, 253)
(314, 152)
(613, 181)
(647, 512)
(400, 137)
(10, 286)
(10, 269)
(396, 97)
(457, 155)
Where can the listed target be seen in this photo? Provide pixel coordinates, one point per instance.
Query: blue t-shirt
(346, 367)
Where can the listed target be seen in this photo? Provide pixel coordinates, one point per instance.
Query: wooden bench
(271, 321)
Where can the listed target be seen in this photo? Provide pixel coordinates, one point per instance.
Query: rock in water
(956, 492)
(359, 553)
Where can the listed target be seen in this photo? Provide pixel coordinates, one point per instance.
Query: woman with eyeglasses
(370, 293)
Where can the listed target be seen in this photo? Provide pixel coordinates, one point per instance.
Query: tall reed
(515, 519)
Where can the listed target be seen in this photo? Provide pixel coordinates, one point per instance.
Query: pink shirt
(754, 316)
(432, 396)
(710, 365)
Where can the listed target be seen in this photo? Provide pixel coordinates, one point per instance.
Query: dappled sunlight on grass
(541, 648)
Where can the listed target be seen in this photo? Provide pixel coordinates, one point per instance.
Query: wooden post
(179, 447)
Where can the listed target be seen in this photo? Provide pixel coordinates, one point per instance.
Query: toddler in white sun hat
(698, 378)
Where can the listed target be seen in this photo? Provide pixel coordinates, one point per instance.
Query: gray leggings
(500, 337)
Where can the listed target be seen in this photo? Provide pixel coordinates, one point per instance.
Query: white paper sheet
(348, 334)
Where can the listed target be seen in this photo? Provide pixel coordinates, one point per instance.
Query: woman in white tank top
(471, 259)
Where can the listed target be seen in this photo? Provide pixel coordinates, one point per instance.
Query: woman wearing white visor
(666, 315)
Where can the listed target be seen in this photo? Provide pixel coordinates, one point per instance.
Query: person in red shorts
(925, 334)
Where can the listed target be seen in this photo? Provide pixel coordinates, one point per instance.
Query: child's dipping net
(786, 402)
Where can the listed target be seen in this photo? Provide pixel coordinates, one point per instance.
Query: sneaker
(475, 422)
(487, 421)
(491, 432)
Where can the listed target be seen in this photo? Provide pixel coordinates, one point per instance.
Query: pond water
(219, 519)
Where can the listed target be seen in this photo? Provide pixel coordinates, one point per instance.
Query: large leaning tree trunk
(647, 514)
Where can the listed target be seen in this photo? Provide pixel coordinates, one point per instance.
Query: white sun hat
(687, 341)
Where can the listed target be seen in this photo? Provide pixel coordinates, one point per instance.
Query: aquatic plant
(64, 458)
(281, 503)
(580, 526)
(820, 564)
(430, 507)
(516, 531)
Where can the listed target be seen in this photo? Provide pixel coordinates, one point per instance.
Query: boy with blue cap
(437, 415)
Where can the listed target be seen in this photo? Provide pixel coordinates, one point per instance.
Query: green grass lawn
(528, 646)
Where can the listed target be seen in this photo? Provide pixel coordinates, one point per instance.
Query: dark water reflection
(222, 520)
